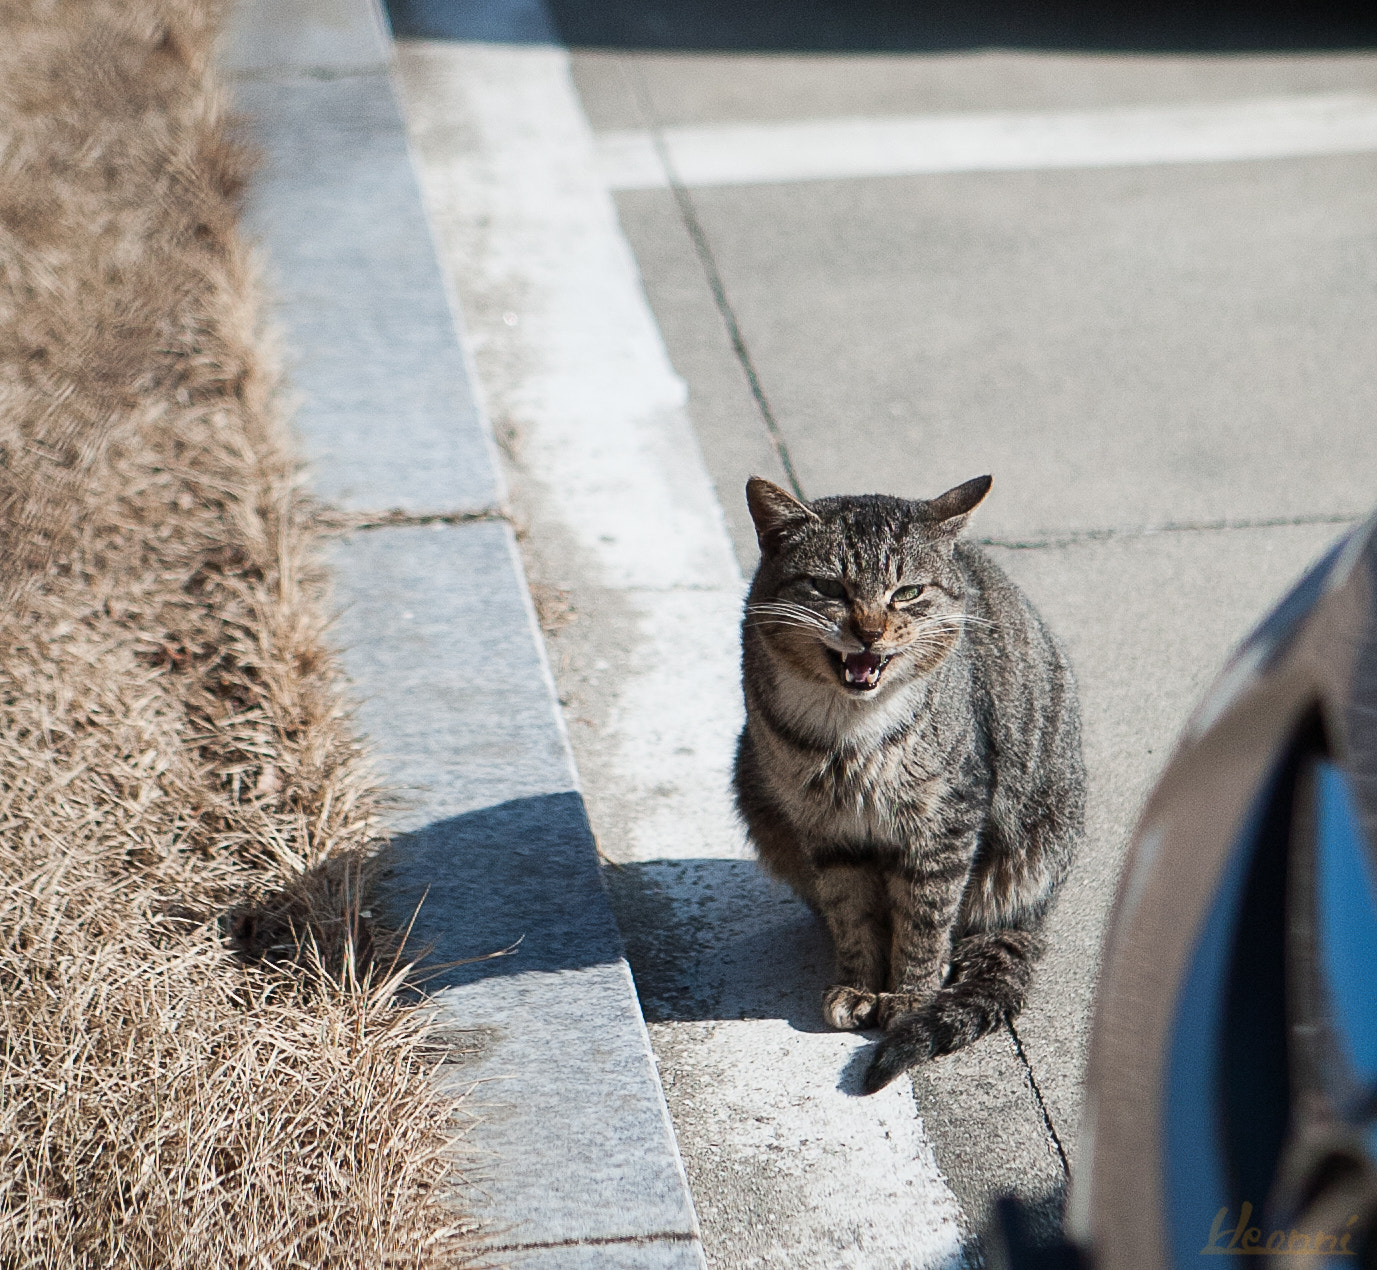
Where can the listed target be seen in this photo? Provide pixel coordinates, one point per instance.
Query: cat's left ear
(949, 512)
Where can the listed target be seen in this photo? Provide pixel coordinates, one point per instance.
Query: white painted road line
(531, 238)
(839, 149)
(550, 289)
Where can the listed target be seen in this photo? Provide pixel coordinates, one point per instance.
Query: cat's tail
(989, 978)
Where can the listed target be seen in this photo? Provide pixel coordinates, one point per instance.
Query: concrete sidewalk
(569, 1159)
(1164, 366)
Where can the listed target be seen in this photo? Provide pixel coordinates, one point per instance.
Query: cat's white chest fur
(866, 781)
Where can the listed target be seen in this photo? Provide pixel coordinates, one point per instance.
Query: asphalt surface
(1167, 368)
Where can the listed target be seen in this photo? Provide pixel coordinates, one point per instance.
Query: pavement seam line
(1076, 537)
(336, 520)
(1038, 1098)
(703, 250)
(664, 1236)
(313, 74)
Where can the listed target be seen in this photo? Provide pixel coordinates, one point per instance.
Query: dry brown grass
(205, 1063)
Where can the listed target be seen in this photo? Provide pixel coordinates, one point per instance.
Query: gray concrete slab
(798, 1190)
(387, 414)
(497, 853)
(1119, 347)
(549, 1045)
(725, 414)
(990, 1135)
(1149, 622)
(321, 37)
(457, 728)
(730, 967)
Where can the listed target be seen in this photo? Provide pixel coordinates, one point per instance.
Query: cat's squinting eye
(906, 593)
(829, 587)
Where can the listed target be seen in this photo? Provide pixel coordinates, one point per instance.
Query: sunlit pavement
(1148, 315)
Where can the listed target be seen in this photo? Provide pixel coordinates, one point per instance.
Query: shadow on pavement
(706, 938)
(718, 939)
(521, 874)
(1041, 1225)
(899, 26)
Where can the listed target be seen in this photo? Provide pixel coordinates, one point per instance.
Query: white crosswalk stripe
(840, 149)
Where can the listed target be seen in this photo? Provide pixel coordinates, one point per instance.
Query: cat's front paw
(892, 1004)
(847, 1008)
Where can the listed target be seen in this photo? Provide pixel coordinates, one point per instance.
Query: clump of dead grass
(180, 789)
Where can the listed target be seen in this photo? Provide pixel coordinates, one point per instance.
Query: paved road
(1167, 366)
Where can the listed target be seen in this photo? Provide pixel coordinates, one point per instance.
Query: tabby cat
(911, 760)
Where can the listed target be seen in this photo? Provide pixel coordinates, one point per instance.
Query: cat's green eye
(829, 587)
(906, 593)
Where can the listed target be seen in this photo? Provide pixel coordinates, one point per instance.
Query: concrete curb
(576, 1163)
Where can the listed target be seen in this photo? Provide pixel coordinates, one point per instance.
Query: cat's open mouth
(860, 671)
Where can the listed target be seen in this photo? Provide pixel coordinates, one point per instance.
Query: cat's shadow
(718, 939)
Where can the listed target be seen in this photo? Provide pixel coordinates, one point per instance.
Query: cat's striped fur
(911, 760)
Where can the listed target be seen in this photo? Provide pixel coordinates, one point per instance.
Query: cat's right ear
(775, 512)
(949, 512)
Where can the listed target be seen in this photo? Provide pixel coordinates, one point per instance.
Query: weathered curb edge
(576, 1159)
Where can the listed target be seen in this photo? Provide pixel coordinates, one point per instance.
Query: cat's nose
(867, 629)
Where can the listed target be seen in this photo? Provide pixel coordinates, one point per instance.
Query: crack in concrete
(667, 1236)
(1075, 537)
(335, 520)
(1038, 1098)
(703, 250)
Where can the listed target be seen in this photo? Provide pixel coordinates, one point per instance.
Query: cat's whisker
(945, 625)
(784, 621)
(801, 619)
(782, 613)
(826, 633)
(927, 632)
(922, 649)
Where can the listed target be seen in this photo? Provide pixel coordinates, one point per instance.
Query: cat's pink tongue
(863, 668)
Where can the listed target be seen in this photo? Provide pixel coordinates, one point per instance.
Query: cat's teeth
(868, 673)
